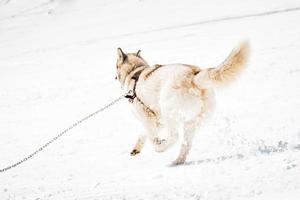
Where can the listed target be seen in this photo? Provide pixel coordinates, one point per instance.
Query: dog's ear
(138, 53)
(121, 55)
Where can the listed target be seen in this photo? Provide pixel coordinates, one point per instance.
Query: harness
(132, 93)
(131, 96)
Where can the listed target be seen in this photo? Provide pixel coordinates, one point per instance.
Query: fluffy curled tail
(227, 71)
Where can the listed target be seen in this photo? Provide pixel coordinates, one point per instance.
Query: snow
(57, 64)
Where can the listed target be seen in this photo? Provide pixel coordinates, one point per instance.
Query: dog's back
(182, 91)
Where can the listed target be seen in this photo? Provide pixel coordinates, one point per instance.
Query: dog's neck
(136, 67)
(133, 76)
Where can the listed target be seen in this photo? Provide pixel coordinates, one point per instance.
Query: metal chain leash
(62, 133)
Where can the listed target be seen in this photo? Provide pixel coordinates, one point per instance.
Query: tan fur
(171, 95)
(227, 71)
(150, 71)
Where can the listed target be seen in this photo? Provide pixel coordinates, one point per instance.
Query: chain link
(62, 133)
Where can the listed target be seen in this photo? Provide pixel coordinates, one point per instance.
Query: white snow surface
(57, 64)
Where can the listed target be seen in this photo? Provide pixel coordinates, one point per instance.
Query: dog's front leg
(152, 129)
(139, 145)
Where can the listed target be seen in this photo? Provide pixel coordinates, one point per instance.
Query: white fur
(174, 96)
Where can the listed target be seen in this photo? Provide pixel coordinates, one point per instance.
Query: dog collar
(132, 93)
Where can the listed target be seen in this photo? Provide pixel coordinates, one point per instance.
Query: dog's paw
(134, 152)
(177, 162)
(159, 145)
(158, 141)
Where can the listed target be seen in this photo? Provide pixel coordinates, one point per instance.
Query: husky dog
(174, 97)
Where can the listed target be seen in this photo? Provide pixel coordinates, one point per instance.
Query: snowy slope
(57, 64)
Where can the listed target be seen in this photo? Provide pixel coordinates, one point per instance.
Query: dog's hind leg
(189, 132)
(139, 145)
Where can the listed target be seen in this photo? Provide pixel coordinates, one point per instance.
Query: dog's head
(126, 63)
